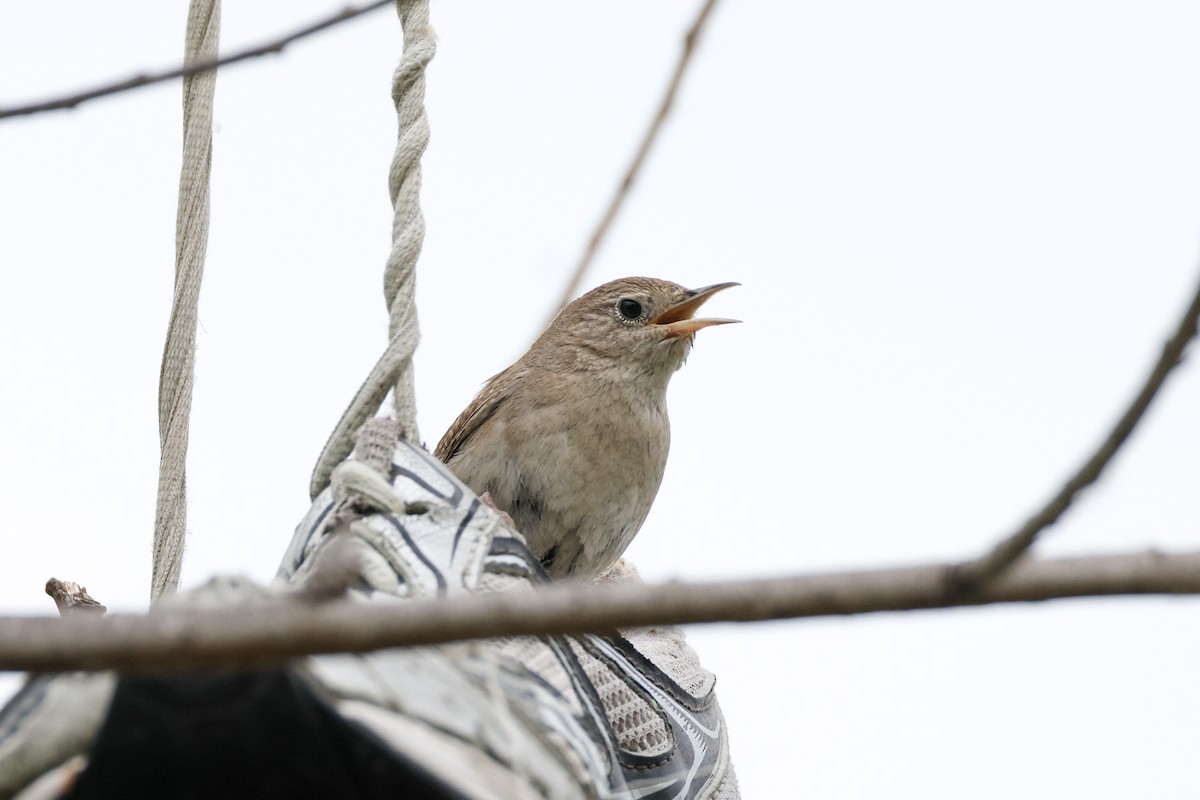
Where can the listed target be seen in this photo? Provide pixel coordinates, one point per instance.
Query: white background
(963, 228)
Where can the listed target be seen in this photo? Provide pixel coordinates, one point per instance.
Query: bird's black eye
(629, 308)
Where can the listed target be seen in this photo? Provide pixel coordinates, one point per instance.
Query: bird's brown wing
(485, 405)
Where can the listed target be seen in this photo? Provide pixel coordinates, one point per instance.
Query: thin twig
(635, 166)
(147, 79)
(178, 639)
(70, 598)
(971, 574)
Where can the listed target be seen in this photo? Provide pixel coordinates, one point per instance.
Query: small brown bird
(572, 439)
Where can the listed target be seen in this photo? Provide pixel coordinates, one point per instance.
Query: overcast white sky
(963, 231)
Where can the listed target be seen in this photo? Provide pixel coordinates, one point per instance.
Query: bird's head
(643, 325)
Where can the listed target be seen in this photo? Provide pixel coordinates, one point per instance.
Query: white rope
(394, 370)
(179, 352)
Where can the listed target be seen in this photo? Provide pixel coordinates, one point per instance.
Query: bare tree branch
(147, 79)
(635, 166)
(971, 574)
(177, 639)
(70, 598)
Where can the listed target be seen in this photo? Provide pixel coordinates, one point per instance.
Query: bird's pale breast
(577, 476)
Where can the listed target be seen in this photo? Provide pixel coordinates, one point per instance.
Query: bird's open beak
(677, 320)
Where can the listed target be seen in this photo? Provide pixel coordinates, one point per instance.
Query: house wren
(571, 440)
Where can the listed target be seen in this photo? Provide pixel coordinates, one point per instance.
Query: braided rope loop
(404, 184)
(179, 352)
(394, 370)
